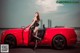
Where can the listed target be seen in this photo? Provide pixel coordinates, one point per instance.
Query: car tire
(59, 42)
(11, 40)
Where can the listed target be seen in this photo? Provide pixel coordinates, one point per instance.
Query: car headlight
(1, 34)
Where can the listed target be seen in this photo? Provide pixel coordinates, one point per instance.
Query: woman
(34, 25)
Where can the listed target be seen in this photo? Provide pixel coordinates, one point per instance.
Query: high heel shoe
(35, 44)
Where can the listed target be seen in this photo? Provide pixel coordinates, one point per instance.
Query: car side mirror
(43, 26)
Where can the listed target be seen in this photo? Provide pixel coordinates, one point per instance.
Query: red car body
(23, 36)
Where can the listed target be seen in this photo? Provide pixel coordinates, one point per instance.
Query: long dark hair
(38, 17)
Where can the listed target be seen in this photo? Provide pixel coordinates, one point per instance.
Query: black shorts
(36, 24)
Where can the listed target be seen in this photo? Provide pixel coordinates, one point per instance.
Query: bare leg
(36, 33)
(35, 44)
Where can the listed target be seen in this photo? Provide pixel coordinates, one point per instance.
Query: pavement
(45, 50)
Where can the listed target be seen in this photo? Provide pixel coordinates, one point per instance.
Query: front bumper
(72, 42)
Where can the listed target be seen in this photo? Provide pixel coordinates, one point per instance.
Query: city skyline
(17, 13)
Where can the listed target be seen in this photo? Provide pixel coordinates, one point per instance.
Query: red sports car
(54, 37)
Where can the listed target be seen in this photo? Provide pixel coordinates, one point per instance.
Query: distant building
(49, 23)
(41, 22)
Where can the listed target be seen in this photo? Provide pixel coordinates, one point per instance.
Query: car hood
(13, 30)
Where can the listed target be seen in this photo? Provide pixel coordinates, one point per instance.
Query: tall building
(49, 23)
(41, 23)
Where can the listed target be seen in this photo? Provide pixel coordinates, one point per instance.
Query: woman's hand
(29, 27)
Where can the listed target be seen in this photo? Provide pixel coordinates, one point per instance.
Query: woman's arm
(33, 21)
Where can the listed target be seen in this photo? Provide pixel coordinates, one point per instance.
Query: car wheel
(59, 42)
(11, 40)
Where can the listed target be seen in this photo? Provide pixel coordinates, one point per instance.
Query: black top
(35, 25)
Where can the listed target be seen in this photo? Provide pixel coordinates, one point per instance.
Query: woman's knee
(36, 29)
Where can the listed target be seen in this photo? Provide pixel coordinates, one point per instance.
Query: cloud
(47, 6)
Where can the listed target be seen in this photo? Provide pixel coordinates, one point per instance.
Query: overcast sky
(17, 13)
